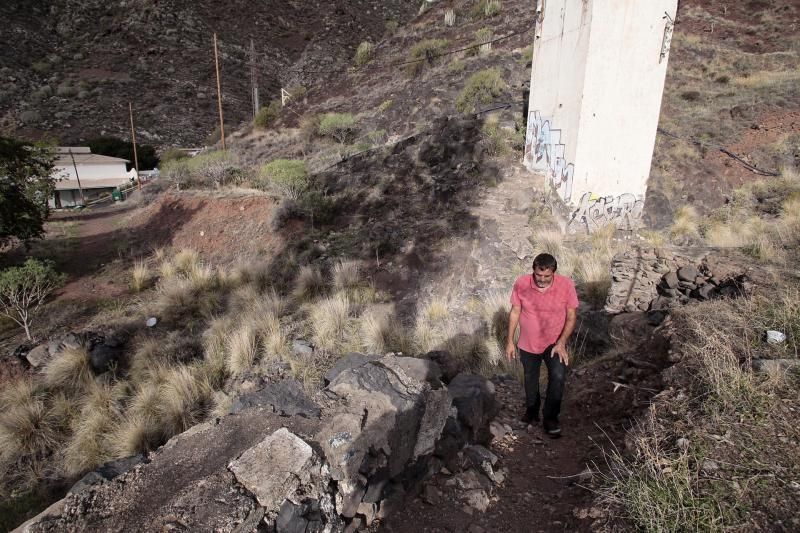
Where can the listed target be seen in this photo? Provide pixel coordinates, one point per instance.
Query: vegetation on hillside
(26, 185)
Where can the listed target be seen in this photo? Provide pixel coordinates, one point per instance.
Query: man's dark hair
(545, 262)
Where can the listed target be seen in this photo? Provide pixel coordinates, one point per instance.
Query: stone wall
(655, 279)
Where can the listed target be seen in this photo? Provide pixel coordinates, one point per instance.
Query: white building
(98, 175)
(597, 79)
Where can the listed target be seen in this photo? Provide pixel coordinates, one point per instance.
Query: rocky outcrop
(657, 279)
(389, 424)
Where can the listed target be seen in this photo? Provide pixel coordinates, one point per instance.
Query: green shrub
(425, 52)
(267, 115)
(456, 66)
(391, 26)
(289, 176)
(481, 88)
(25, 288)
(172, 154)
(363, 54)
(527, 56)
(485, 8)
(494, 138)
(205, 170)
(309, 127)
(482, 36)
(385, 105)
(340, 126)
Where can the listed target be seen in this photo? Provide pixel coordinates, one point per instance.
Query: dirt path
(547, 479)
(546, 485)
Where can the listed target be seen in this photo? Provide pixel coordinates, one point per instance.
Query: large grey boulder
(388, 419)
(279, 468)
(392, 413)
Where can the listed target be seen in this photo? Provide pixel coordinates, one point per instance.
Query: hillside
(70, 68)
(384, 210)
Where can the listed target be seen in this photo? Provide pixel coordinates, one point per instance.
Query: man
(544, 306)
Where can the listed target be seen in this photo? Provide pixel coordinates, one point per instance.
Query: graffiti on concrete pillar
(595, 212)
(545, 151)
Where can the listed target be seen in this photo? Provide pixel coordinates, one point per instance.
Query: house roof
(65, 185)
(64, 160)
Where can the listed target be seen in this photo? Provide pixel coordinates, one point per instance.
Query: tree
(114, 147)
(24, 289)
(26, 184)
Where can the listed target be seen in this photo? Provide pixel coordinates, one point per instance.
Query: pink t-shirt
(543, 313)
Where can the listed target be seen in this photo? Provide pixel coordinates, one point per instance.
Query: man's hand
(560, 350)
(511, 351)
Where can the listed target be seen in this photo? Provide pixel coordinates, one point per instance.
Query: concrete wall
(596, 84)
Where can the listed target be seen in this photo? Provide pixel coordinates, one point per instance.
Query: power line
(696, 142)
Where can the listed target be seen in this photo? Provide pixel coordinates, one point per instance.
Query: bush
(391, 26)
(340, 126)
(495, 138)
(114, 147)
(482, 38)
(385, 105)
(289, 176)
(205, 170)
(309, 127)
(481, 88)
(172, 154)
(363, 54)
(425, 52)
(486, 8)
(267, 115)
(24, 289)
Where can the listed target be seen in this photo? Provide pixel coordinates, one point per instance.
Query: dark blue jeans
(556, 376)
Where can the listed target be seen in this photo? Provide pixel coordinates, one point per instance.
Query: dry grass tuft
(70, 370)
(167, 270)
(436, 310)
(202, 277)
(28, 429)
(496, 309)
(549, 240)
(89, 445)
(140, 276)
(329, 320)
(593, 272)
(186, 260)
(135, 434)
(242, 348)
(186, 398)
(686, 224)
(375, 329)
(346, 275)
(274, 338)
(309, 284)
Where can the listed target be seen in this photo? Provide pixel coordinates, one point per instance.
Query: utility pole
(219, 95)
(83, 200)
(135, 156)
(254, 79)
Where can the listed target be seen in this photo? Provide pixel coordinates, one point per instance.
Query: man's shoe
(531, 415)
(552, 428)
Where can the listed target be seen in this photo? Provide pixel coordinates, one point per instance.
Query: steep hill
(69, 68)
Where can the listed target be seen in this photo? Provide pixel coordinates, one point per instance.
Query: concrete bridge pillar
(597, 78)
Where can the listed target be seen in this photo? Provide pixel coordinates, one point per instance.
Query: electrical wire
(696, 142)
